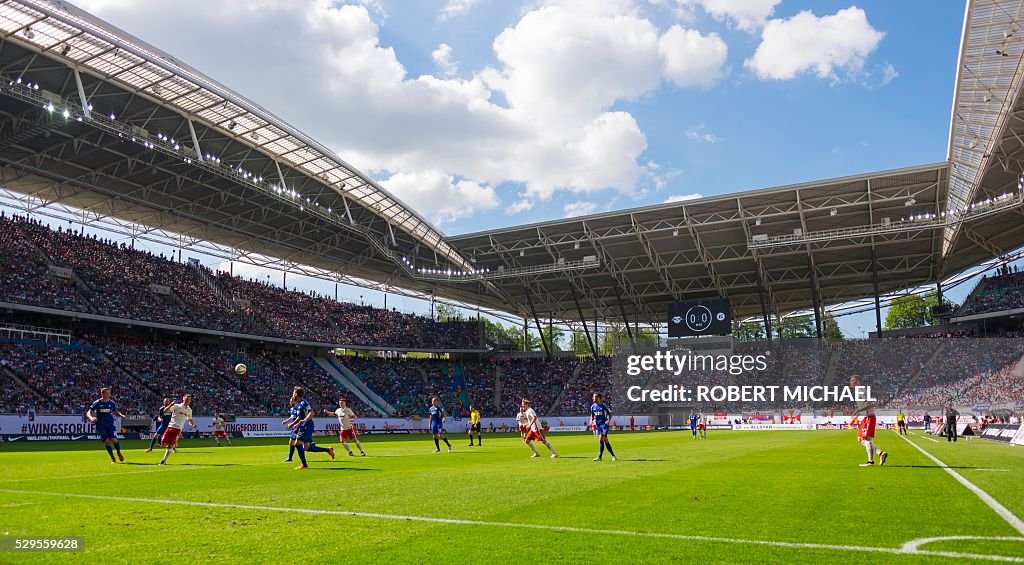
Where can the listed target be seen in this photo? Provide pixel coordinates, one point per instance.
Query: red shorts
(866, 428)
(701, 426)
(220, 433)
(170, 436)
(535, 436)
(344, 435)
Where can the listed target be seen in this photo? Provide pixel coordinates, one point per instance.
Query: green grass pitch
(668, 499)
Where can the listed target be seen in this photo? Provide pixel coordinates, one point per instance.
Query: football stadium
(662, 383)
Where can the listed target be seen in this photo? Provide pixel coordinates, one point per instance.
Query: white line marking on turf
(98, 475)
(1002, 470)
(913, 545)
(908, 548)
(1003, 512)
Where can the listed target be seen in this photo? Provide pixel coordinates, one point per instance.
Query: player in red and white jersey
(866, 428)
(219, 430)
(180, 413)
(521, 423)
(347, 423)
(534, 432)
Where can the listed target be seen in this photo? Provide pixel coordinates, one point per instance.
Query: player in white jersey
(219, 430)
(347, 423)
(180, 413)
(534, 432)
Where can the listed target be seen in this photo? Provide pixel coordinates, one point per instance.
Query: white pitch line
(158, 469)
(994, 504)
(98, 475)
(908, 549)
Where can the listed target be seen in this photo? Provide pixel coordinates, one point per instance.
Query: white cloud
(439, 197)
(698, 134)
(823, 46)
(683, 197)
(747, 15)
(692, 59)
(519, 206)
(443, 59)
(580, 208)
(455, 8)
(540, 119)
(889, 74)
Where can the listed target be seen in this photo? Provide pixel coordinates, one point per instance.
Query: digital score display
(699, 317)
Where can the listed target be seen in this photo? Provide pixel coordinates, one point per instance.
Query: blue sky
(488, 113)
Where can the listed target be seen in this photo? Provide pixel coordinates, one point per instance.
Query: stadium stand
(996, 294)
(118, 281)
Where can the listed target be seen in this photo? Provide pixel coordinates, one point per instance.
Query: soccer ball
(241, 369)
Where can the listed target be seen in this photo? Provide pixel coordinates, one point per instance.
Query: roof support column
(625, 318)
(765, 316)
(81, 94)
(878, 303)
(195, 141)
(586, 330)
(814, 296)
(536, 320)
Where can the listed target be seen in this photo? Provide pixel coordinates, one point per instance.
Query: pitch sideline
(909, 548)
(994, 504)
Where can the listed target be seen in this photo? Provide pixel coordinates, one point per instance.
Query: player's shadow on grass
(929, 467)
(646, 460)
(211, 465)
(341, 469)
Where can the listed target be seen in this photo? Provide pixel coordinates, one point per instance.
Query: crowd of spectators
(25, 278)
(1004, 291)
(70, 377)
(120, 281)
(966, 372)
(271, 377)
(170, 371)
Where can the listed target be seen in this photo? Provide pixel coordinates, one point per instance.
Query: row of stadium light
(168, 144)
(30, 91)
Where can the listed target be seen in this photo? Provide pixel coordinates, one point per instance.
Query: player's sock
(152, 442)
(550, 447)
(534, 449)
(302, 453)
(871, 450)
(445, 440)
(117, 446)
(167, 453)
(291, 451)
(608, 446)
(316, 449)
(601, 452)
(347, 448)
(437, 444)
(110, 450)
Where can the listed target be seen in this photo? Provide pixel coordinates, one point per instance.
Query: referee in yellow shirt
(474, 425)
(901, 423)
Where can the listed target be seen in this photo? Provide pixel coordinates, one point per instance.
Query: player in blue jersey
(162, 418)
(693, 424)
(102, 413)
(302, 425)
(437, 419)
(600, 422)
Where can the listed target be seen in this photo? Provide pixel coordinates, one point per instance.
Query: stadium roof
(205, 161)
(92, 118)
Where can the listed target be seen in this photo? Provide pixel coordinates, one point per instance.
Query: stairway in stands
(348, 379)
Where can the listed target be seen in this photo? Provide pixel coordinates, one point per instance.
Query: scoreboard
(709, 316)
